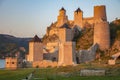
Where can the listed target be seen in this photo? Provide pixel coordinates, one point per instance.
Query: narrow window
(12, 62)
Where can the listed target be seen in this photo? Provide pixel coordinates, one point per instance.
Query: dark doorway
(54, 59)
(77, 60)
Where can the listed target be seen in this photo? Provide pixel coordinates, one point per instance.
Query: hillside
(8, 43)
(85, 39)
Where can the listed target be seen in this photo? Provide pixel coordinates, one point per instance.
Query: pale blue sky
(25, 18)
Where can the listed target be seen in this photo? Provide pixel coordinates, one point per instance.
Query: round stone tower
(100, 12)
(102, 35)
(78, 18)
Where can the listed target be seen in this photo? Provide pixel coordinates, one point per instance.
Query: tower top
(65, 26)
(78, 10)
(36, 39)
(62, 9)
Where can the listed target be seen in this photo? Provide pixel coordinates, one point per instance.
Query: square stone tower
(35, 50)
(65, 34)
(78, 18)
(66, 54)
(62, 18)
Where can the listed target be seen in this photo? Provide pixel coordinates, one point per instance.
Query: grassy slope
(14, 74)
(62, 73)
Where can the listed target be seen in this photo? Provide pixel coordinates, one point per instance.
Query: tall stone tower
(66, 47)
(65, 34)
(100, 12)
(101, 28)
(66, 53)
(62, 17)
(35, 50)
(78, 18)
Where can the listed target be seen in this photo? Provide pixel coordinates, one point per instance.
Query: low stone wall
(92, 72)
(44, 63)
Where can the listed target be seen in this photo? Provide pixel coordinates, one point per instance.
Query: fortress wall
(102, 35)
(100, 12)
(89, 20)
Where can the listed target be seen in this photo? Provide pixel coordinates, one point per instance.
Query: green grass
(18, 74)
(62, 73)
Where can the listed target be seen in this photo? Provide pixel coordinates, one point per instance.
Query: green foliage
(9, 44)
(115, 31)
(85, 39)
(14, 74)
(61, 73)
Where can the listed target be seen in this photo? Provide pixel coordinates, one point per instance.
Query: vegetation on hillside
(85, 39)
(10, 44)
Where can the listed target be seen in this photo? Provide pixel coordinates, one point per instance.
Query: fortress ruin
(60, 49)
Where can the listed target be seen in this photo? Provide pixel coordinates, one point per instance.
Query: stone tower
(102, 35)
(78, 18)
(35, 50)
(65, 33)
(66, 53)
(100, 12)
(101, 28)
(62, 17)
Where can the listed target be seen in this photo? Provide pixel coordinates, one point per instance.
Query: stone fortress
(60, 49)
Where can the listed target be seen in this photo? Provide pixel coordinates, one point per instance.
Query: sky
(26, 18)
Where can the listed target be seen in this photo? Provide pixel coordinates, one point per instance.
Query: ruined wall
(35, 51)
(44, 63)
(83, 56)
(102, 35)
(13, 63)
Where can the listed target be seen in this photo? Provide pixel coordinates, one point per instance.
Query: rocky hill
(9, 43)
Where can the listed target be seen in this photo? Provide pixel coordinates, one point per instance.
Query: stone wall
(44, 63)
(13, 63)
(86, 55)
(92, 72)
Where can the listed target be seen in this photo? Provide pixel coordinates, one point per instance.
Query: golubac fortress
(61, 50)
